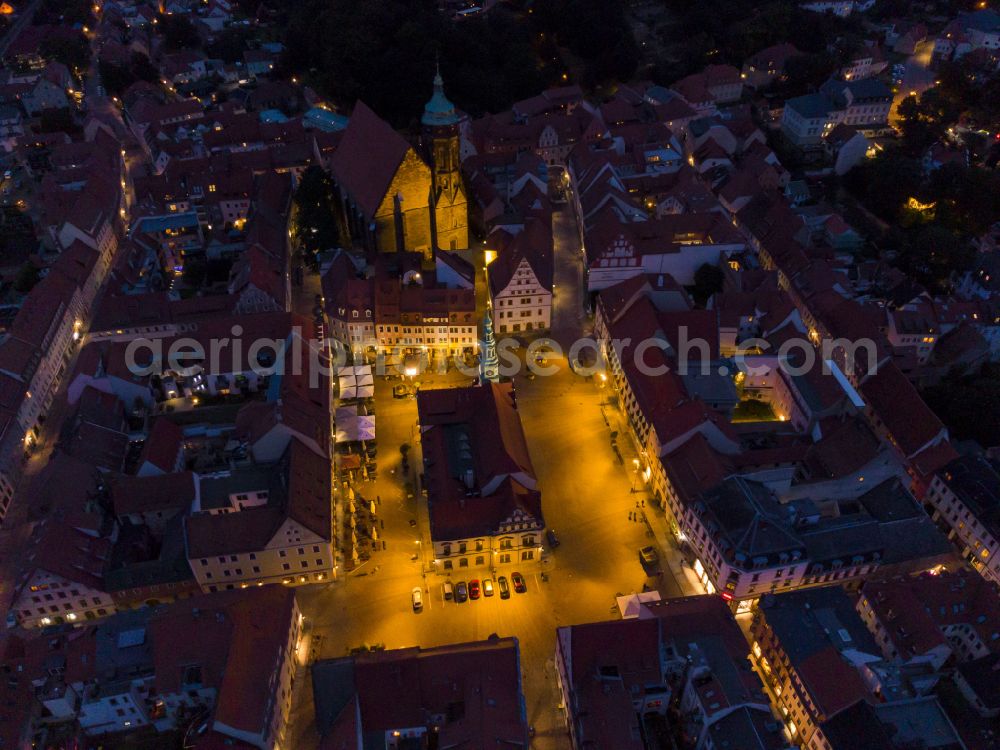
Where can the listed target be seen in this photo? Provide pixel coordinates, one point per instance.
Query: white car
(417, 598)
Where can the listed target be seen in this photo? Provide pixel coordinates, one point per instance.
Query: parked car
(474, 589)
(553, 540)
(449, 591)
(418, 599)
(504, 587)
(402, 391)
(518, 580)
(461, 592)
(649, 555)
(487, 587)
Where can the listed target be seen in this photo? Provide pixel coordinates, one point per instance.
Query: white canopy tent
(631, 606)
(355, 381)
(353, 428)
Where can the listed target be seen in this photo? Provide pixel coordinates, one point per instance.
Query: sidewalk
(656, 521)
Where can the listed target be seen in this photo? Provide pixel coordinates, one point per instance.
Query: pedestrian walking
(637, 505)
(630, 514)
(383, 524)
(643, 503)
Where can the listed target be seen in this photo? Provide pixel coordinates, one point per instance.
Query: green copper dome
(439, 111)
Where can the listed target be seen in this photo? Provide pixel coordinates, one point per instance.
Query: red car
(518, 580)
(474, 589)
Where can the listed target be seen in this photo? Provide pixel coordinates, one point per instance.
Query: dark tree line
(384, 51)
(933, 216)
(969, 405)
(729, 31)
(116, 78)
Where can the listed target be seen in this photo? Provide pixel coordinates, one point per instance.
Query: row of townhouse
(212, 660)
(850, 333)
(399, 306)
(616, 678)
(964, 498)
(83, 207)
(832, 684)
(824, 516)
(257, 513)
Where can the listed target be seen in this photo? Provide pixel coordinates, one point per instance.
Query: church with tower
(395, 198)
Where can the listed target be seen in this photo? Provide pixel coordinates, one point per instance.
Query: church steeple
(489, 362)
(439, 111)
(442, 148)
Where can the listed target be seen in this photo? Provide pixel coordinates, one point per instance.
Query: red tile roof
(909, 421)
(306, 501)
(402, 688)
(368, 157)
(533, 244)
(234, 646)
(483, 419)
(163, 446)
(918, 612)
(832, 682)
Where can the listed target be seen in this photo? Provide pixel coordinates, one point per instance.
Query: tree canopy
(27, 277)
(317, 223)
(729, 31)
(73, 52)
(969, 405)
(178, 32)
(384, 51)
(708, 280)
(116, 78)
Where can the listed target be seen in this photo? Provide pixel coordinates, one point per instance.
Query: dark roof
(983, 676)
(751, 519)
(810, 105)
(909, 421)
(747, 728)
(810, 620)
(975, 480)
(857, 727)
(171, 493)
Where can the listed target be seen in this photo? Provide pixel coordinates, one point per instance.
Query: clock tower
(449, 206)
